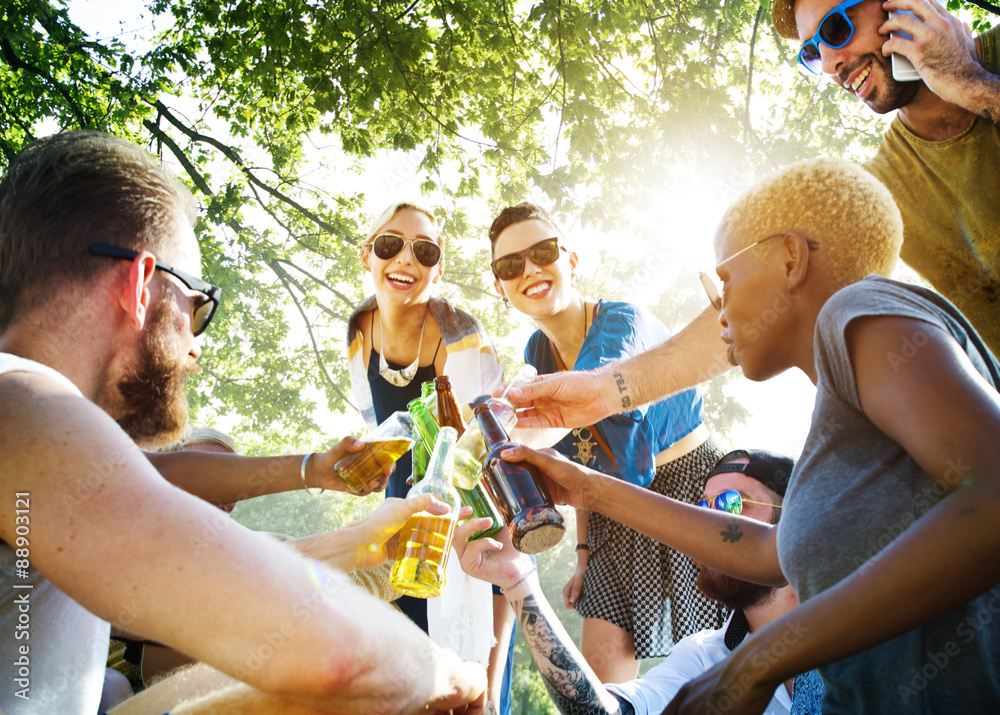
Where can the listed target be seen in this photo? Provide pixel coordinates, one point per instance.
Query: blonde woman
(402, 336)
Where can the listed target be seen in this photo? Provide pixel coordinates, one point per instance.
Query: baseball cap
(769, 468)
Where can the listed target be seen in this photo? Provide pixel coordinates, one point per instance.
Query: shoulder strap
(594, 430)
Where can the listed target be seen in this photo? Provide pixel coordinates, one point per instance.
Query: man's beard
(154, 394)
(893, 94)
(732, 592)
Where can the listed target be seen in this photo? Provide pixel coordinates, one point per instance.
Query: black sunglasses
(201, 313)
(509, 267)
(389, 245)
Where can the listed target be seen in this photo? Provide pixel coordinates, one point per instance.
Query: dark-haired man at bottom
(748, 482)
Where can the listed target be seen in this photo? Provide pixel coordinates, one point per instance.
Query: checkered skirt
(641, 585)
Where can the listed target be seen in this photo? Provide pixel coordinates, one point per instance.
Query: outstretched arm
(570, 681)
(180, 572)
(945, 54)
(200, 690)
(369, 542)
(735, 545)
(578, 399)
(226, 478)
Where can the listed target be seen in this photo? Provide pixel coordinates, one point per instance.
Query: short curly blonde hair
(833, 202)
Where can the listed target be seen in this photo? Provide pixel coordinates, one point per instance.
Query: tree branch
(284, 278)
(165, 138)
(16, 63)
(234, 157)
(746, 102)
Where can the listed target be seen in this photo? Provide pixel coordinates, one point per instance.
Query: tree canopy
(604, 108)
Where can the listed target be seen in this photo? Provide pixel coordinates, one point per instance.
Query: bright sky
(780, 409)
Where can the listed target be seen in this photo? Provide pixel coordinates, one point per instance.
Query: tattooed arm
(572, 684)
(735, 545)
(577, 399)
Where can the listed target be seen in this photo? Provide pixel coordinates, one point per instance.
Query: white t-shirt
(67, 646)
(690, 658)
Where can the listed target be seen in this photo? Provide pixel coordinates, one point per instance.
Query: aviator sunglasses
(730, 500)
(835, 30)
(389, 245)
(543, 253)
(201, 313)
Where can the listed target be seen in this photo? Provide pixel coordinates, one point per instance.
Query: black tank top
(387, 398)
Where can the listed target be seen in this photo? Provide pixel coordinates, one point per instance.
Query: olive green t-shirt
(949, 195)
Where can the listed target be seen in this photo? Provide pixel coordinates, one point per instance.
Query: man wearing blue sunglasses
(941, 154)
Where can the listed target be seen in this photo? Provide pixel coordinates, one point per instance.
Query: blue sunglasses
(730, 500)
(835, 30)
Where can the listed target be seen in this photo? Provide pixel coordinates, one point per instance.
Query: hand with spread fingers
(942, 49)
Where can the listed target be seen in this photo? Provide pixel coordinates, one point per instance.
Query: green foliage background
(601, 109)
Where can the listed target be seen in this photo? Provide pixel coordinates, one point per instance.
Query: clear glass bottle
(383, 446)
(425, 539)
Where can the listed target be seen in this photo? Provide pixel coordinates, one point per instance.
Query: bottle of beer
(425, 539)
(468, 469)
(449, 414)
(429, 395)
(519, 491)
(383, 446)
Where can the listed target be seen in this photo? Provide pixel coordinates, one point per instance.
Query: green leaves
(603, 109)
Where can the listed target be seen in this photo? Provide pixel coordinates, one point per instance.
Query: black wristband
(584, 547)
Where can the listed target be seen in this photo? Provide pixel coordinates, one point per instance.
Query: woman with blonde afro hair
(854, 212)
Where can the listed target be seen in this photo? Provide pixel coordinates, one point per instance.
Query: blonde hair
(833, 202)
(386, 216)
(201, 435)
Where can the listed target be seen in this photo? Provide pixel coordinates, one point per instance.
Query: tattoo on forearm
(622, 387)
(575, 690)
(732, 533)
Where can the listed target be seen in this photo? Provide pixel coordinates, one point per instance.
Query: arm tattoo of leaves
(574, 690)
(732, 533)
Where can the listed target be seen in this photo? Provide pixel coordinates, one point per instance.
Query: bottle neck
(449, 413)
(441, 469)
(493, 431)
(424, 424)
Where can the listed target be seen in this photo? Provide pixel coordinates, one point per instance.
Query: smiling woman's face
(402, 279)
(539, 291)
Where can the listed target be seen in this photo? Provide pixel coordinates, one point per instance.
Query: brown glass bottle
(519, 491)
(449, 414)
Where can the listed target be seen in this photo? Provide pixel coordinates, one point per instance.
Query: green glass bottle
(420, 454)
(426, 428)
